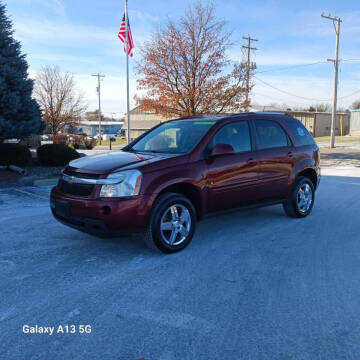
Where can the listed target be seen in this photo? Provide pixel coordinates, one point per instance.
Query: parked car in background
(103, 136)
(182, 170)
(45, 137)
(121, 134)
(12, 141)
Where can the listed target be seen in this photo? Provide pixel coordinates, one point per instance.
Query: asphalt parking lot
(253, 284)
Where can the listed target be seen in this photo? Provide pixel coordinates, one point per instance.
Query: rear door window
(270, 135)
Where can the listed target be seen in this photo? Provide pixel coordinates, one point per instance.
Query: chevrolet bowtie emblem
(69, 179)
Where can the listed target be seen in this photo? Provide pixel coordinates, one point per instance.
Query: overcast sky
(81, 37)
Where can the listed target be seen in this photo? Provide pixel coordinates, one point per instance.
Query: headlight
(128, 185)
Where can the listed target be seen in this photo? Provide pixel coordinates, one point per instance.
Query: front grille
(80, 174)
(75, 189)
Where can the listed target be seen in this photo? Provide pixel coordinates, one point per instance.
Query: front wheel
(301, 200)
(172, 223)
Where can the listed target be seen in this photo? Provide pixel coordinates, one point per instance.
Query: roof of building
(139, 110)
(148, 124)
(142, 124)
(96, 123)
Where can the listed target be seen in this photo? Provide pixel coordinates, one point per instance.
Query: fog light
(106, 210)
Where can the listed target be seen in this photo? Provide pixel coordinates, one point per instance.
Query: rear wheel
(301, 200)
(172, 223)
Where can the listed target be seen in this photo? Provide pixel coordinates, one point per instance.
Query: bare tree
(279, 107)
(185, 70)
(355, 104)
(343, 109)
(62, 104)
(322, 107)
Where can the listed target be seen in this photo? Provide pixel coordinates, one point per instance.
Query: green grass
(338, 139)
(118, 141)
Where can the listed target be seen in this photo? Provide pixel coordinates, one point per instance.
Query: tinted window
(178, 137)
(235, 134)
(270, 134)
(303, 137)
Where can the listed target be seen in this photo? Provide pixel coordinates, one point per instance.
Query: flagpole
(127, 71)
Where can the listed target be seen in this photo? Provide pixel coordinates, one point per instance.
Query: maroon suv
(181, 170)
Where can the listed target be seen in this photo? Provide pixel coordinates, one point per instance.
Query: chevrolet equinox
(181, 170)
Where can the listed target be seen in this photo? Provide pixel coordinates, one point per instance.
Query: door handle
(290, 154)
(251, 161)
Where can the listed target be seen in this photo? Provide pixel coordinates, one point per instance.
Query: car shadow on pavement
(232, 223)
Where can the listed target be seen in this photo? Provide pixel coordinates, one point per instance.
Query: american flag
(122, 36)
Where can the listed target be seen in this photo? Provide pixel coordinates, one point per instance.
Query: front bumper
(102, 217)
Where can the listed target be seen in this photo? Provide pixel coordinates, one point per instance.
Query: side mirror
(222, 149)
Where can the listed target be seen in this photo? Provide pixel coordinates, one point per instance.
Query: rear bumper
(108, 217)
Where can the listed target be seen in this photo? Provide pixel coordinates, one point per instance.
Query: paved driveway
(252, 285)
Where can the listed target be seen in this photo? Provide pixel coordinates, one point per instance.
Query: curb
(29, 182)
(45, 182)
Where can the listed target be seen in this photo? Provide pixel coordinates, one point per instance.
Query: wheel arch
(311, 174)
(188, 190)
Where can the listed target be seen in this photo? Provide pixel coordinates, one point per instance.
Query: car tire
(172, 223)
(301, 200)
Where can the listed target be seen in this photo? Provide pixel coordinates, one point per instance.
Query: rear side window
(270, 135)
(235, 134)
(300, 132)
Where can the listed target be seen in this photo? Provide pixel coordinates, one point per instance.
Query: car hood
(111, 161)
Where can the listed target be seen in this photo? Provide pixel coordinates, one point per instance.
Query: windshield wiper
(145, 151)
(154, 151)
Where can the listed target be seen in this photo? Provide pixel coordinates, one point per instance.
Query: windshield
(174, 137)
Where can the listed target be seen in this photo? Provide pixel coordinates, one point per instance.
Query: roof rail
(271, 113)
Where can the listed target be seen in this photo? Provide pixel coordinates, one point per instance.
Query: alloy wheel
(175, 224)
(304, 198)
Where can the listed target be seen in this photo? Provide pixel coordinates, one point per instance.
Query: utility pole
(336, 21)
(248, 68)
(99, 109)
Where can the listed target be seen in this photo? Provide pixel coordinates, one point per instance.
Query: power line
(302, 65)
(269, 97)
(292, 67)
(289, 93)
(346, 96)
(341, 60)
(303, 97)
